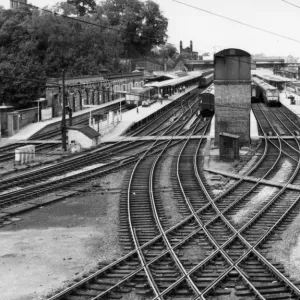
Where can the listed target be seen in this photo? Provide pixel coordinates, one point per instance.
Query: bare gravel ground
(52, 245)
(284, 172)
(232, 296)
(264, 195)
(165, 184)
(211, 160)
(258, 200)
(287, 249)
(214, 162)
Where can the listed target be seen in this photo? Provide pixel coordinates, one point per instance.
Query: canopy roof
(175, 81)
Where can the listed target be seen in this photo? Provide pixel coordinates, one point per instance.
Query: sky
(209, 32)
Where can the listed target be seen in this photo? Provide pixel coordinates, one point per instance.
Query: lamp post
(120, 110)
(38, 111)
(63, 125)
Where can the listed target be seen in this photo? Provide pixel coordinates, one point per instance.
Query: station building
(232, 94)
(188, 53)
(83, 91)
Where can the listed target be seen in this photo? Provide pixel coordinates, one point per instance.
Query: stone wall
(232, 109)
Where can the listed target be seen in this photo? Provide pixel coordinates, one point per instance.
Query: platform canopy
(136, 91)
(272, 78)
(173, 82)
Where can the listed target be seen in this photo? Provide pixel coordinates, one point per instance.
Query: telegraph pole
(63, 122)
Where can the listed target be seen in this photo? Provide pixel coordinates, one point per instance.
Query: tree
(38, 45)
(83, 6)
(142, 23)
(167, 51)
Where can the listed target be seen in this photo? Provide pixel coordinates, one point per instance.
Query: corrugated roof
(136, 91)
(86, 130)
(263, 84)
(274, 78)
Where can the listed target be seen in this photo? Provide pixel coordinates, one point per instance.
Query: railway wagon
(207, 101)
(266, 92)
(139, 96)
(206, 80)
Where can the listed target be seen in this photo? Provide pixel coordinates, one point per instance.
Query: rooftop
(86, 130)
(175, 81)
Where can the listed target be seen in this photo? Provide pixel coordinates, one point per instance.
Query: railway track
(55, 133)
(41, 180)
(7, 152)
(233, 258)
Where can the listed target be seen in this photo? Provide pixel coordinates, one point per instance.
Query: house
(83, 135)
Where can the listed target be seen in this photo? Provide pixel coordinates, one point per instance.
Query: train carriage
(206, 80)
(207, 101)
(140, 96)
(266, 92)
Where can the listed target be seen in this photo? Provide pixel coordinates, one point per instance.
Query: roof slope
(86, 130)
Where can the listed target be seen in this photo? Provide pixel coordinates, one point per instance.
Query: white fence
(107, 125)
(47, 113)
(25, 154)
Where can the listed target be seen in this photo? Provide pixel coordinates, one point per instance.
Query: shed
(4, 109)
(85, 136)
(229, 146)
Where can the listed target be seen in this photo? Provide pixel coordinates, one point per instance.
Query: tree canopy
(143, 24)
(83, 6)
(36, 44)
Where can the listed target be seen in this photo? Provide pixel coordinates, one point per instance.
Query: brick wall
(232, 109)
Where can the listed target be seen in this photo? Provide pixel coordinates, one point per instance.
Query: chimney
(180, 46)
(191, 46)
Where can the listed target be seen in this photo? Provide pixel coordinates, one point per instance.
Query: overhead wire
(238, 22)
(290, 3)
(120, 30)
(29, 79)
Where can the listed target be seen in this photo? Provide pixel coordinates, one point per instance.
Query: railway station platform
(29, 130)
(135, 115)
(287, 102)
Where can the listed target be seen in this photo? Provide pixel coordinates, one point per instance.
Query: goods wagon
(266, 92)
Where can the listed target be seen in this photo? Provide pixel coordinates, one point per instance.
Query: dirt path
(51, 245)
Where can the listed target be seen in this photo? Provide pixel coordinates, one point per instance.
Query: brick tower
(232, 94)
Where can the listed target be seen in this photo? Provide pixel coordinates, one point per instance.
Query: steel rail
(154, 211)
(169, 230)
(165, 238)
(71, 162)
(137, 251)
(254, 251)
(251, 286)
(144, 264)
(129, 255)
(154, 121)
(204, 229)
